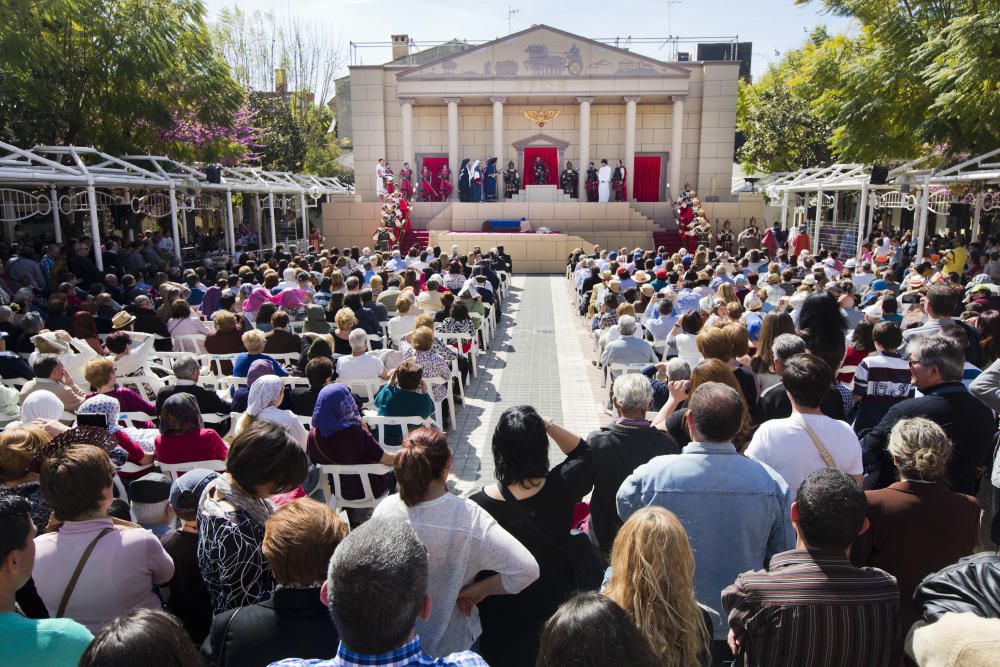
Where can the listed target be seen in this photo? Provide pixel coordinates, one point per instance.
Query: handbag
(586, 567)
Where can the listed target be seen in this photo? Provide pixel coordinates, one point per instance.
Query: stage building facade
(671, 123)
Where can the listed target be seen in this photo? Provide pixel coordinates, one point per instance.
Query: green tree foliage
(109, 73)
(919, 74)
(783, 131)
(279, 137)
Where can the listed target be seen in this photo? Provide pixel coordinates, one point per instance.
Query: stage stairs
(417, 237)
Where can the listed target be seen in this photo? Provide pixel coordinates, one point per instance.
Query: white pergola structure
(24, 171)
(913, 185)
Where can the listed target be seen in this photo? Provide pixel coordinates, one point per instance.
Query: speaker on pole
(880, 175)
(213, 173)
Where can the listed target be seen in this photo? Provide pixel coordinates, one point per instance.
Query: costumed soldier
(726, 237)
(406, 181)
(618, 182)
(591, 184)
(427, 191)
(511, 180)
(383, 239)
(541, 171)
(445, 178)
(569, 180)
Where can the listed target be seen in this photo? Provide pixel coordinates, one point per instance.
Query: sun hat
(615, 285)
(810, 279)
(752, 301)
(851, 263)
(915, 281)
(646, 289)
(50, 338)
(121, 320)
(641, 276)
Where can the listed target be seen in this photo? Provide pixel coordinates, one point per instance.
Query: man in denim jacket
(735, 510)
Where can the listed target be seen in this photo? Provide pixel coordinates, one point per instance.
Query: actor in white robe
(604, 183)
(380, 181)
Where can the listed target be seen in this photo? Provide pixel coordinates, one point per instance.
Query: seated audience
(21, 451)
(27, 640)
(298, 542)
(183, 437)
(403, 322)
(254, 342)
(100, 373)
(808, 440)
(360, 364)
(187, 372)
(188, 598)
(129, 358)
(148, 503)
(403, 396)
(652, 579)
(51, 376)
(534, 503)
(591, 629)
(183, 322)
(810, 605)
(346, 321)
(380, 629)
(316, 321)
(125, 561)
(280, 340)
(319, 372)
(226, 339)
(627, 349)
(263, 404)
(109, 408)
(462, 540)
(263, 460)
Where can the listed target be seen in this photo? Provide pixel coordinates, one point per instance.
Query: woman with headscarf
(266, 394)
(43, 409)
(316, 321)
(338, 437)
(183, 437)
(258, 369)
(257, 297)
(110, 408)
(210, 302)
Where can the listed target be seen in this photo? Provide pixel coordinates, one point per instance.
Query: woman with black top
(512, 623)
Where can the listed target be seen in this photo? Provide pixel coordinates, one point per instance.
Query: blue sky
(772, 25)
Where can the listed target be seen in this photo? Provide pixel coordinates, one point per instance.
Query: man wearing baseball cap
(189, 599)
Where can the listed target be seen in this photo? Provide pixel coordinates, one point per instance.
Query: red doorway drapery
(434, 164)
(549, 155)
(646, 177)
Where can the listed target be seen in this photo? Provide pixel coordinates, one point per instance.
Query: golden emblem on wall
(541, 116)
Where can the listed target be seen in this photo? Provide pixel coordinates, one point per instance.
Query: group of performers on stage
(478, 181)
(395, 221)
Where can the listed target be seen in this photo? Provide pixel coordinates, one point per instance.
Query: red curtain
(434, 164)
(549, 156)
(646, 177)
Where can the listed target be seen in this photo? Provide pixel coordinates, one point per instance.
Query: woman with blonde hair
(674, 410)
(21, 450)
(727, 293)
(254, 342)
(917, 525)
(346, 321)
(652, 579)
(762, 363)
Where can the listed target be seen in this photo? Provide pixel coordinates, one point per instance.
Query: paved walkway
(540, 357)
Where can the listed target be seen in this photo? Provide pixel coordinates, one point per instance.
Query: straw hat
(606, 275)
(647, 290)
(809, 279)
(752, 302)
(915, 281)
(53, 341)
(615, 286)
(121, 320)
(641, 276)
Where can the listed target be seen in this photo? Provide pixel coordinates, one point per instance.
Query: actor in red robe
(445, 187)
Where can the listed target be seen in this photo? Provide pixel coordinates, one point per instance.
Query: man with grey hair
(628, 349)
(730, 532)
(147, 321)
(187, 370)
(376, 589)
(618, 449)
(773, 402)
(936, 364)
(360, 365)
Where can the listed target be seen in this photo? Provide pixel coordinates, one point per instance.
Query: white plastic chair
(191, 343)
(405, 424)
(613, 370)
(146, 386)
(130, 417)
(14, 383)
(334, 496)
(175, 470)
(286, 358)
(439, 405)
(295, 381)
(458, 341)
(366, 388)
(306, 421)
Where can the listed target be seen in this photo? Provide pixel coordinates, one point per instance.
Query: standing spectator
(263, 460)
(811, 606)
(590, 629)
(618, 449)
(144, 637)
(298, 542)
(124, 563)
(774, 402)
(29, 641)
(917, 526)
(936, 365)
(732, 532)
(881, 379)
(188, 600)
(940, 305)
(652, 579)
(808, 440)
(461, 539)
(534, 504)
(379, 629)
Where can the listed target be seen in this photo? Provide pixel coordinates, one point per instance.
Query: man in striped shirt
(811, 606)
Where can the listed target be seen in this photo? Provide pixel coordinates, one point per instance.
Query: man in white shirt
(863, 278)
(380, 187)
(360, 365)
(808, 440)
(604, 182)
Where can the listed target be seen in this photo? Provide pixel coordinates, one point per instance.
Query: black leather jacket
(970, 585)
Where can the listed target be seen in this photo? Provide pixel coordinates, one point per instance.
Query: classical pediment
(540, 139)
(542, 52)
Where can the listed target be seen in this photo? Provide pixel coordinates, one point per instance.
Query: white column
(819, 221)
(305, 219)
(56, 226)
(784, 210)
(274, 227)
(498, 145)
(676, 147)
(407, 127)
(173, 221)
(977, 213)
(230, 228)
(453, 137)
(630, 109)
(862, 214)
(581, 188)
(922, 227)
(95, 226)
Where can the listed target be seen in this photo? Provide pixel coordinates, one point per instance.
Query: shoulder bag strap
(76, 573)
(519, 510)
(823, 452)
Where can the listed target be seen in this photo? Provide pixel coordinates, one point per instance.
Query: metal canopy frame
(53, 167)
